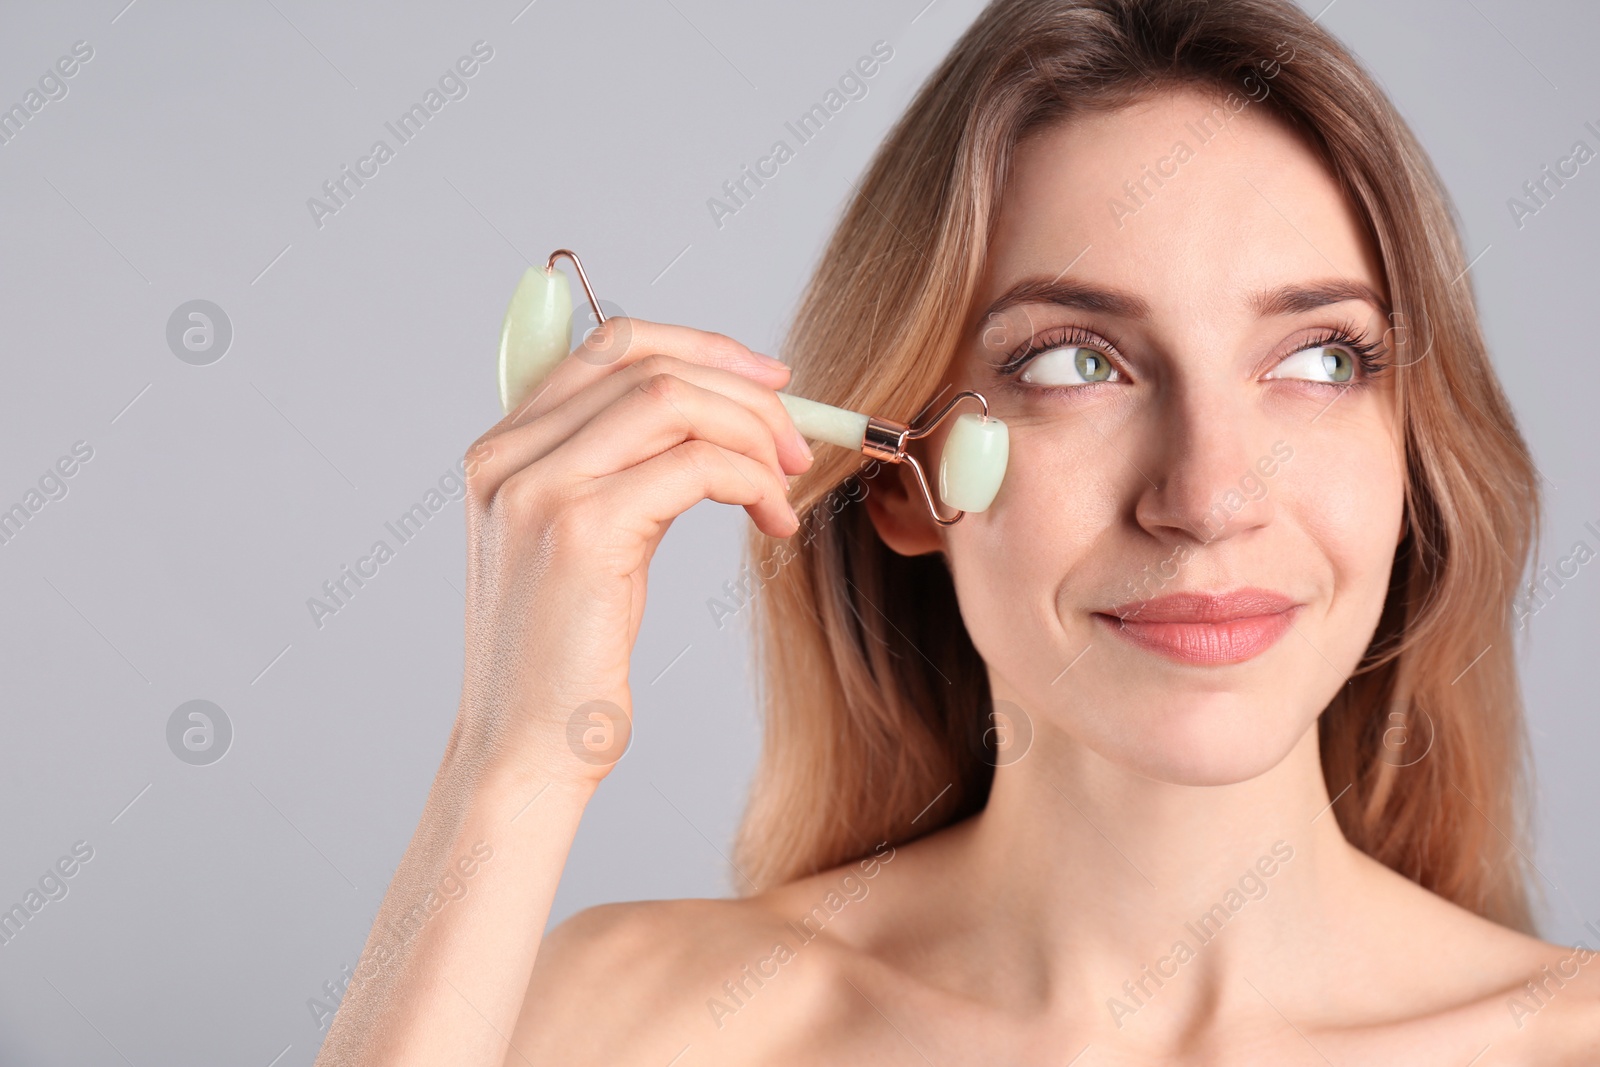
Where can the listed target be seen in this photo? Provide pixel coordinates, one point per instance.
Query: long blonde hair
(871, 685)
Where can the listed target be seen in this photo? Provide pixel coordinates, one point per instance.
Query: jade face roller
(537, 333)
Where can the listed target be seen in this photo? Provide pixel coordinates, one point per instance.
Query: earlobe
(899, 514)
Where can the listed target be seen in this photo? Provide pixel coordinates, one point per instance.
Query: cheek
(1356, 489)
(1348, 496)
(1047, 525)
(1061, 491)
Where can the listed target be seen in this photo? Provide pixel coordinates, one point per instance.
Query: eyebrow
(1291, 299)
(1282, 300)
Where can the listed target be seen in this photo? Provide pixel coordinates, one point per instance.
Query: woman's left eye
(1318, 363)
(1069, 365)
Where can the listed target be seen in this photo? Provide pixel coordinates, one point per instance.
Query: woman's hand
(569, 496)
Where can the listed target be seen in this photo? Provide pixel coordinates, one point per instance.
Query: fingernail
(770, 361)
(805, 448)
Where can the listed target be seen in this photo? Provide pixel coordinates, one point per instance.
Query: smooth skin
(1151, 790)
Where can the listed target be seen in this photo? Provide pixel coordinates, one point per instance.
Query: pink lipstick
(1207, 629)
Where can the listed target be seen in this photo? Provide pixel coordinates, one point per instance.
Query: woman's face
(1187, 428)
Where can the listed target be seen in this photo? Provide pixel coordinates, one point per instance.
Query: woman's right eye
(1069, 365)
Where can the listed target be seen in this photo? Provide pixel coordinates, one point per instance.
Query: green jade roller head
(537, 332)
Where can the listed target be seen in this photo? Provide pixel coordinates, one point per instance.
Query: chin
(1206, 737)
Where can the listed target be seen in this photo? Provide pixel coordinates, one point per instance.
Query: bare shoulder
(1439, 976)
(645, 981)
(1549, 1010)
(1534, 1002)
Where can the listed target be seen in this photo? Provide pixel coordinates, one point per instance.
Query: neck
(1118, 891)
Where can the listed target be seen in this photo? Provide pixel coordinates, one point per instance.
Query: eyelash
(1369, 355)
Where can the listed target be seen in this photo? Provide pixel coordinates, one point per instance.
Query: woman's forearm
(446, 966)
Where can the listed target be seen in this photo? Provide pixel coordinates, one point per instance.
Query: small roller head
(536, 333)
(973, 461)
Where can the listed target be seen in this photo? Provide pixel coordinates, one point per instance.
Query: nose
(1207, 470)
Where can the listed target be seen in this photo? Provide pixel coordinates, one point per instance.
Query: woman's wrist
(520, 788)
(498, 772)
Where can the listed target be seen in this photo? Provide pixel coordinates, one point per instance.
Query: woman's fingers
(664, 486)
(522, 445)
(620, 342)
(661, 413)
(612, 520)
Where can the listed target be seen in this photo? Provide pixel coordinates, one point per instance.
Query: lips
(1204, 628)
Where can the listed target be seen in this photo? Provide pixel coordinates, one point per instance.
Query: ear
(898, 511)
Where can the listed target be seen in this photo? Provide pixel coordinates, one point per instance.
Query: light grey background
(219, 498)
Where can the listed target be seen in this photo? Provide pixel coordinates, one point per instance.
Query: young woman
(1201, 745)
